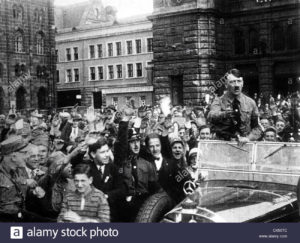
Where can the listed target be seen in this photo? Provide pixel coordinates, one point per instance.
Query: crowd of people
(102, 166)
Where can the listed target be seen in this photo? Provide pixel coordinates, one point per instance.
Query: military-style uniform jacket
(225, 128)
(139, 174)
(13, 188)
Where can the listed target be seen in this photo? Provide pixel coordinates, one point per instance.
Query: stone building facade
(27, 54)
(102, 60)
(196, 41)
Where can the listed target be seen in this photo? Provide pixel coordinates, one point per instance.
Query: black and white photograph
(150, 111)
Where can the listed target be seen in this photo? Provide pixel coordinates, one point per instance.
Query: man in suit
(106, 176)
(76, 132)
(71, 131)
(171, 174)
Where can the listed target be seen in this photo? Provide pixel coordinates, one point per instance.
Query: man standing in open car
(235, 115)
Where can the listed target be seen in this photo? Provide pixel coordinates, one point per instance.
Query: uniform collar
(232, 97)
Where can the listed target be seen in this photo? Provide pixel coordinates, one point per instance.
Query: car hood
(234, 204)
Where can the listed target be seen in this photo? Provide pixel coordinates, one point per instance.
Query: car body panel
(253, 183)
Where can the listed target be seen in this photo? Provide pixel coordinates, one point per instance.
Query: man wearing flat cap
(71, 131)
(14, 181)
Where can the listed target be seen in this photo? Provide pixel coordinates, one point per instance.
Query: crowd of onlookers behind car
(61, 141)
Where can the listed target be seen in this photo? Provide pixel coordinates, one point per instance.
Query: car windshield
(266, 162)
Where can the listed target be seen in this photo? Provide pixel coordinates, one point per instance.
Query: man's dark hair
(204, 127)
(150, 136)
(235, 72)
(98, 145)
(82, 169)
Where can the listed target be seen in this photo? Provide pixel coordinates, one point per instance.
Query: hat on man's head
(64, 114)
(77, 117)
(12, 144)
(111, 107)
(142, 108)
(37, 115)
(133, 135)
(37, 132)
(11, 119)
(176, 140)
(59, 140)
(42, 139)
(193, 151)
(270, 129)
(105, 133)
(55, 160)
(161, 115)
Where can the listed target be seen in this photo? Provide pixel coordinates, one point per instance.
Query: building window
(39, 71)
(110, 49)
(68, 54)
(139, 71)
(57, 76)
(119, 48)
(17, 70)
(56, 56)
(253, 42)
(19, 42)
(115, 101)
(130, 70)
(23, 69)
(129, 47)
(1, 71)
(293, 36)
(100, 73)
(92, 74)
(40, 44)
(18, 12)
(150, 44)
(75, 51)
(111, 72)
(36, 15)
(278, 38)
(100, 51)
(142, 100)
(119, 71)
(92, 52)
(138, 46)
(41, 16)
(76, 75)
(69, 76)
(239, 42)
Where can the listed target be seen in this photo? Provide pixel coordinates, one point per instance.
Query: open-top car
(253, 183)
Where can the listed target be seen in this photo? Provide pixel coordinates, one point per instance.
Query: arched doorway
(42, 94)
(21, 98)
(1, 101)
